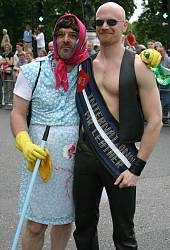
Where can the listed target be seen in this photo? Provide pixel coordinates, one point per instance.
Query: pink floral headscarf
(79, 55)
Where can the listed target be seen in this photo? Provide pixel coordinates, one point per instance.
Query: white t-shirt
(40, 40)
(22, 89)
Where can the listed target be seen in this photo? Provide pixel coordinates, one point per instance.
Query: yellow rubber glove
(151, 57)
(31, 151)
(45, 168)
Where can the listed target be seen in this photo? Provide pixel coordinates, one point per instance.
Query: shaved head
(113, 11)
(114, 8)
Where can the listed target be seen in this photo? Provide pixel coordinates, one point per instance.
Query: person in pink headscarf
(53, 103)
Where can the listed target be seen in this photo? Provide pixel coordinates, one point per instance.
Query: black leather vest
(131, 121)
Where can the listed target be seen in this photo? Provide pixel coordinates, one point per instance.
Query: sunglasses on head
(110, 22)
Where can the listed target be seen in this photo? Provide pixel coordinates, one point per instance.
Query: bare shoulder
(96, 59)
(144, 76)
(140, 65)
(97, 63)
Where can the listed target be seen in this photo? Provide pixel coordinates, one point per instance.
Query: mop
(34, 174)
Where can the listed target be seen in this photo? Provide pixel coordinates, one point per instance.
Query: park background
(153, 19)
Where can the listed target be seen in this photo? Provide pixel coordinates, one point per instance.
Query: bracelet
(137, 166)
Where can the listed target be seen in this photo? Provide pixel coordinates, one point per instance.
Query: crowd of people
(9, 69)
(110, 95)
(12, 59)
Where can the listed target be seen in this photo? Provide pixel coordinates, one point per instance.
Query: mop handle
(34, 174)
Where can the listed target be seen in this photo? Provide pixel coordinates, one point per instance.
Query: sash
(100, 126)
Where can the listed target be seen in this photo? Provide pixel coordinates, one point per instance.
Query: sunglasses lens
(99, 22)
(111, 22)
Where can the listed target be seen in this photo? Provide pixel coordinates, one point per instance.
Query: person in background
(39, 36)
(42, 53)
(150, 44)
(5, 38)
(53, 104)
(165, 60)
(90, 48)
(27, 39)
(164, 90)
(7, 75)
(22, 61)
(97, 48)
(130, 39)
(96, 44)
(19, 49)
(50, 47)
(139, 48)
(29, 57)
(157, 45)
(119, 94)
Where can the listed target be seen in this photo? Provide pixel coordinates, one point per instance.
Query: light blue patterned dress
(52, 202)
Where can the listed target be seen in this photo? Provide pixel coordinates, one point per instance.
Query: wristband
(137, 166)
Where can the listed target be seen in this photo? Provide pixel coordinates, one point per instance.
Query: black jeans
(90, 176)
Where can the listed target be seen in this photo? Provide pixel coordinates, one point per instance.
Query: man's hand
(45, 168)
(30, 151)
(151, 57)
(126, 179)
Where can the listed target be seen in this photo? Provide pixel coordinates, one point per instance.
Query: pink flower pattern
(68, 180)
(69, 151)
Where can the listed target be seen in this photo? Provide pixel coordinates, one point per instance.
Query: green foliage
(149, 25)
(16, 14)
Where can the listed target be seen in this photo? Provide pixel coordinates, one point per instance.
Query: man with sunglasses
(53, 104)
(119, 93)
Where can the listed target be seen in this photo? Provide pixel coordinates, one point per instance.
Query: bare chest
(107, 79)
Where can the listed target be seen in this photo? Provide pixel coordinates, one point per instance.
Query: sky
(137, 12)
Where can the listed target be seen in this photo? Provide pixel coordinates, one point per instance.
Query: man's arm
(19, 115)
(19, 128)
(151, 106)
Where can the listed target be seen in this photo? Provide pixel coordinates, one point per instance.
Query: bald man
(124, 94)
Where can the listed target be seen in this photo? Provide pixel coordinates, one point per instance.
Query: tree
(14, 18)
(16, 14)
(149, 25)
(164, 11)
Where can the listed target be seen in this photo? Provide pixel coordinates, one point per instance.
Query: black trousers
(90, 176)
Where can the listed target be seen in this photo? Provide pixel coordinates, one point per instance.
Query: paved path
(152, 218)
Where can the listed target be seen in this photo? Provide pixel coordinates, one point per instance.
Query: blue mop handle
(34, 174)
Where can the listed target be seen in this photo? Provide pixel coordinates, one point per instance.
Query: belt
(27, 42)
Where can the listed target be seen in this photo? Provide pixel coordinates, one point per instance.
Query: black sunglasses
(110, 22)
